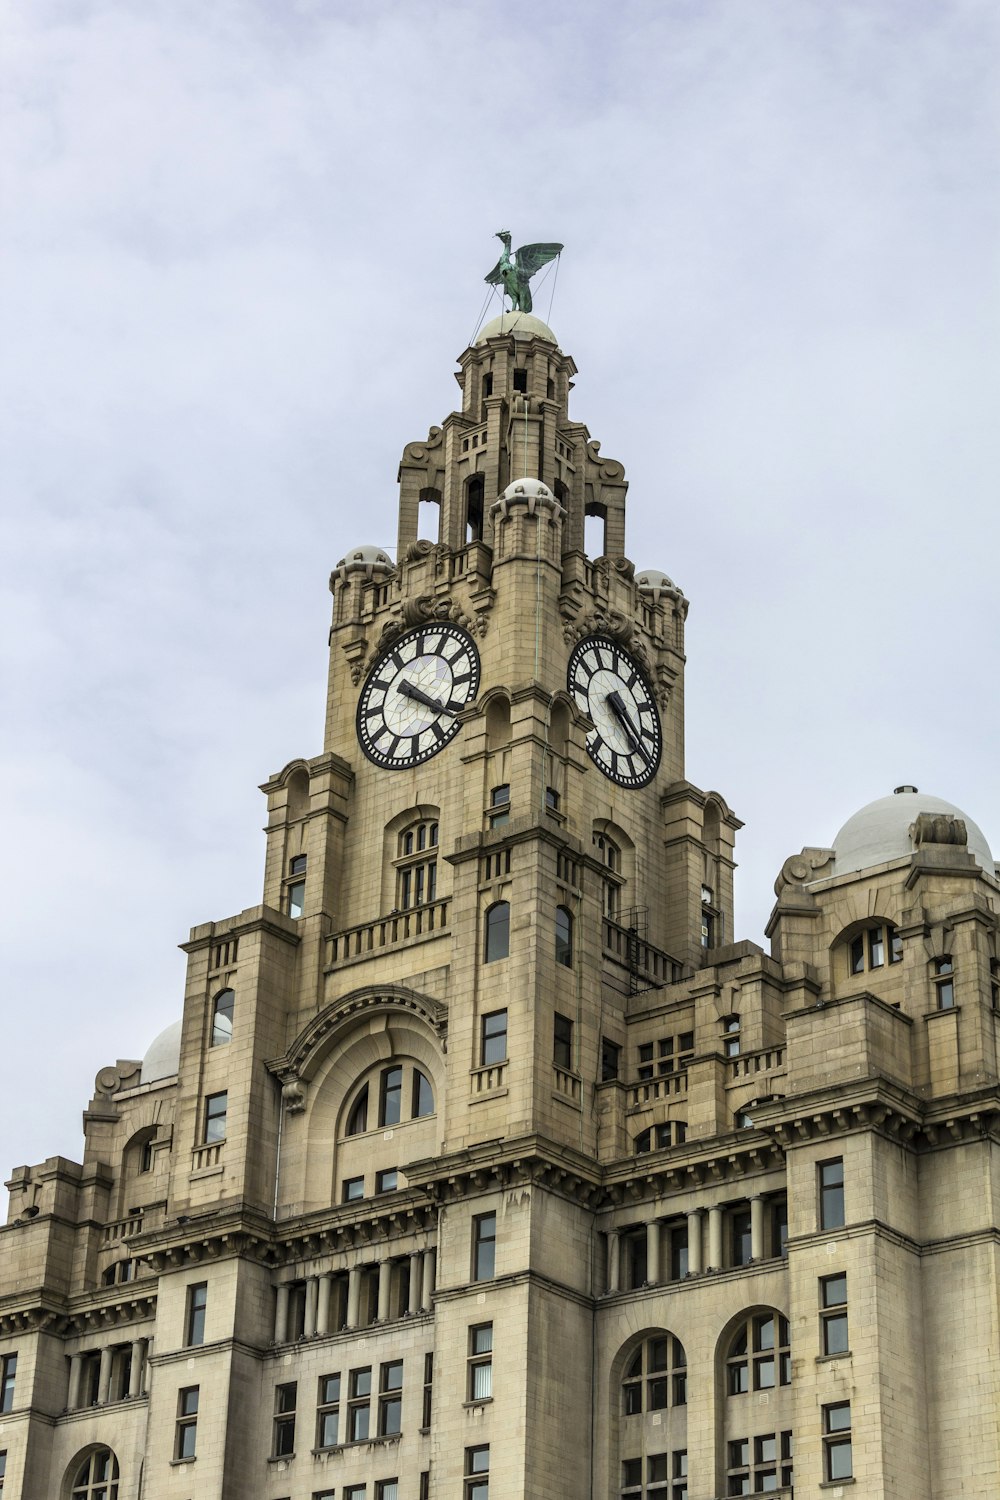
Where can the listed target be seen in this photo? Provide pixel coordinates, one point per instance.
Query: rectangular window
(295, 895)
(216, 1106)
(3, 1466)
(284, 1419)
(741, 1238)
(833, 1302)
(428, 1401)
(8, 1369)
(858, 954)
(679, 1488)
(390, 1096)
(631, 1479)
(837, 1459)
(186, 1437)
(297, 864)
(944, 983)
(359, 1405)
(197, 1301)
(354, 1188)
(562, 1042)
(354, 1492)
(611, 1060)
(425, 1484)
(328, 1411)
(731, 1036)
(387, 1489)
(477, 1473)
(484, 1245)
(480, 1383)
(494, 1038)
(685, 1047)
(831, 1193)
(390, 1399)
(387, 1181)
(222, 1018)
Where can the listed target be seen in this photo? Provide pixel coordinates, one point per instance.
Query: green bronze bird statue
(514, 272)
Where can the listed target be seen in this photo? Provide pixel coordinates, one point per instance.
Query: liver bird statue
(513, 272)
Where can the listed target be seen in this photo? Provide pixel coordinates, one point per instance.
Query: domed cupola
(893, 827)
(370, 561)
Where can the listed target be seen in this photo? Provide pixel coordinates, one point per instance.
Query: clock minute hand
(618, 709)
(408, 690)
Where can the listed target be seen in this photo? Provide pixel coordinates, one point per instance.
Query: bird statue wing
(531, 258)
(495, 277)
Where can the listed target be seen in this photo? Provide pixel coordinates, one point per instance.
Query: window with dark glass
(709, 917)
(222, 1018)
(740, 1240)
(759, 1464)
(390, 1399)
(660, 1137)
(564, 936)
(95, 1479)
(359, 1404)
(357, 1120)
(416, 866)
(297, 864)
(8, 1371)
(759, 1355)
(730, 1036)
(423, 1095)
(428, 1396)
(216, 1106)
(475, 494)
(497, 931)
(295, 897)
(494, 1038)
(197, 1302)
(186, 1434)
(833, 1313)
(328, 1411)
(390, 1096)
(499, 813)
(831, 1193)
(611, 857)
(283, 1442)
(484, 1246)
(146, 1154)
(520, 380)
(387, 1180)
(655, 1376)
(838, 1460)
(779, 1225)
(562, 1042)
(611, 1060)
(944, 983)
(480, 1381)
(354, 1188)
(874, 947)
(387, 1489)
(477, 1472)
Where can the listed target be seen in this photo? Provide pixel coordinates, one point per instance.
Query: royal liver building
(483, 1160)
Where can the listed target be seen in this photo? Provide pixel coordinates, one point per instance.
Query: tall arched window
(497, 931)
(97, 1477)
(564, 936)
(222, 1018)
(656, 1376)
(610, 855)
(758, 1434)
(357, 1120)
(416, 864)
(652, 1426)
(475, 495)
(759, 1357)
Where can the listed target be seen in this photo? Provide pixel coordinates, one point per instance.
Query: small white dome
(881, 831)
(521, 324)
(163, 1055)
(528, 492)
(652, 581)
(368, 560)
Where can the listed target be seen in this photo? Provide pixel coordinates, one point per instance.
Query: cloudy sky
(242, 245)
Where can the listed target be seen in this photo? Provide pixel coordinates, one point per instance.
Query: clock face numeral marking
(607, 684)
(409, 705)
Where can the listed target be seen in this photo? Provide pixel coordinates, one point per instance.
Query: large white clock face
(410, 704)
(606, 683)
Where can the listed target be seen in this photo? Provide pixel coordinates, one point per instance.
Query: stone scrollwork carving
(122, 1076)
(293, 1096)
(800, 869)
(938, 828)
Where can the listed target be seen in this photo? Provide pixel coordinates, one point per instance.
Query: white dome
(163, 1055)
(881, 832)
(366, 559)
(521, 324)
(653, 581)
(532, 493)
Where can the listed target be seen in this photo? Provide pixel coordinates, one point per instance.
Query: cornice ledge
(872, 1103)
(728, 1158)
(501, 1164)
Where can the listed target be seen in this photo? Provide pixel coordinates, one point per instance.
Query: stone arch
(738, 1415)
(636, 1434)
(86, 1466)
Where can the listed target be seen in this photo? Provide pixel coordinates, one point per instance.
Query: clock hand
(419, 696)
(632, 734)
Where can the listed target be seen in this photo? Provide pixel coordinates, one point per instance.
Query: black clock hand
(419, 696)
(618, 709)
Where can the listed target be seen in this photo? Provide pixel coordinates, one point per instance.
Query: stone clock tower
(483, 1162)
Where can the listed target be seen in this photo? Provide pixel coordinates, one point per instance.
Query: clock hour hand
(631, 733)
(418, 695)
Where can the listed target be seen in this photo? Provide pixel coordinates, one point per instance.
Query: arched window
(655, 1377)
(874, 947)
(475, 494)
(660, 1137)
(357, 1120)
(222, 1018)
(564, 936)
(497, 931)
(610, 855)
(390, 1104)
(423, 1095)
(121, 1271)
(758, 1357)
(416, 865)
(97, 1477)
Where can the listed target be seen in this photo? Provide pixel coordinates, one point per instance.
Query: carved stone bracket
(800, 869)
(938, 828)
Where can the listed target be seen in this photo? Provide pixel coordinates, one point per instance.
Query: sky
(242, 245)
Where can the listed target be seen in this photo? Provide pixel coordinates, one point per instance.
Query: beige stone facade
(483, 1161)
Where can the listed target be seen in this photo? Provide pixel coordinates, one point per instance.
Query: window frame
(831, 1201)
(390, 1399)
(564, 937)
(222, 1030)
(196, 1304)
(479, 1359)
(327, 1407)
(484, 1246)
(490, 1037)
(496, 928)
(213, 1116)
(833, 1314)
(477, 1472)
(359, 1405)
(283, 1420)
(8, 1379)
(836, 1440)
(186, 1423)
(562, 1042)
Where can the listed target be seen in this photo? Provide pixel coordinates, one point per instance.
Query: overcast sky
(243, 244)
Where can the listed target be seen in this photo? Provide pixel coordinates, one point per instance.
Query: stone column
(653, 1252)
(323, 1306)
(353, 1296)
(309, 1319)
(714, 1238)
(281, 1315)
(415, 1279)
(694, 1241)
(757, 1228)
(614, 1261)
(75, 1371)
(427, 1280)
(104, 1377)
(384, 1288)
(135, 1370)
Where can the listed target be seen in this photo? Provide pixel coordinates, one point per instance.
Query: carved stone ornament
(123, 1075)
(293, 1096)
(417, 452)
(425, 608)
(938, 828)
(800, 869)
(421, 548)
